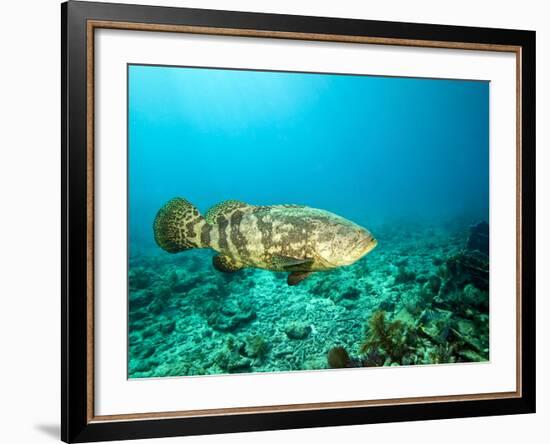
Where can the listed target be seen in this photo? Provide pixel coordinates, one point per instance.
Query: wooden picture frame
(80, 20)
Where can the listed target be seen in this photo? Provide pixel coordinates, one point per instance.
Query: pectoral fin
(225, 264)
(291, 263)
(296, 277)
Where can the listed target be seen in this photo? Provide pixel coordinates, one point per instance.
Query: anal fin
(296, 277)
(226, 264)
(290, 263)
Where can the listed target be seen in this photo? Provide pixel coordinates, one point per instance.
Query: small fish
(292, 238)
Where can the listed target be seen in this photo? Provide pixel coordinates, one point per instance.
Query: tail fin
(179, 226)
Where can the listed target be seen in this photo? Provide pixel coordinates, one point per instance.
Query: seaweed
(389, 337)
(442, 354)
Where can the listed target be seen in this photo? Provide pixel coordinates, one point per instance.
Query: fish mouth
(371, 245)
(366, 246)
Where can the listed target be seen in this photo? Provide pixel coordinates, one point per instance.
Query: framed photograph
(275, 221)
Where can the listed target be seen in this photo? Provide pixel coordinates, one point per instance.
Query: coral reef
(420, 298)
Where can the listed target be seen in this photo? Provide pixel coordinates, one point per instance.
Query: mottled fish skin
(292, 238)
(259, 236)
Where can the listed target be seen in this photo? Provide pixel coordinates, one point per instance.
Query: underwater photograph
(285, 221)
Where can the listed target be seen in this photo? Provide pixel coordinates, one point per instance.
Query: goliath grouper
(292, 238)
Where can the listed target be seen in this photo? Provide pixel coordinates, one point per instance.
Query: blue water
(407, 154)
(367, 148)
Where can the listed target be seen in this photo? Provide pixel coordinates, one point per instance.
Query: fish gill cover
(405, 159)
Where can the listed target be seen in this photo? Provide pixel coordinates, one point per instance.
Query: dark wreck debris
(471, 265)
(434, 335)
(478, 239)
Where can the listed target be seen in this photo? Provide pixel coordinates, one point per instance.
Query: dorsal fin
(290, 206)
(224, 208)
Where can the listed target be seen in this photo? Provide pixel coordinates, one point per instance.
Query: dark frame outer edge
(74, 425)
(64, 171)
(74, 317)
(528, 234)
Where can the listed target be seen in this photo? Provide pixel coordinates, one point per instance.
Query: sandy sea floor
(421, 297)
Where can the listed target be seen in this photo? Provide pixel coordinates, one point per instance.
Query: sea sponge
(373, 358)
(297, 330)
(231, 361)
(255, 346)
(231, 315)
(338, 357)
